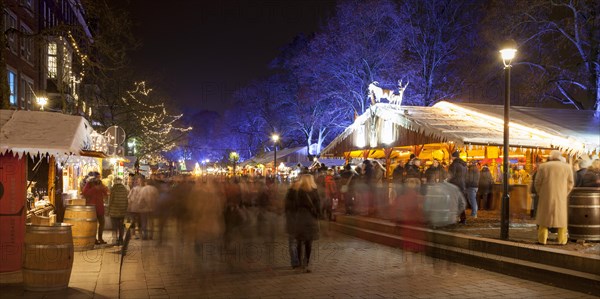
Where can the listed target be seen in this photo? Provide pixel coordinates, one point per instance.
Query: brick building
(43, 55)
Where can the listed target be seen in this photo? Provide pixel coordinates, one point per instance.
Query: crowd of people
(225, 210)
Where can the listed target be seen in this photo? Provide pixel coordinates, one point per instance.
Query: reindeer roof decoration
(377, 93)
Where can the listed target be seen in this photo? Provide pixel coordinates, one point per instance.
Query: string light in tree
(158, 127)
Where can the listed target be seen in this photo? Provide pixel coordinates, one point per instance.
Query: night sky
(199, 52)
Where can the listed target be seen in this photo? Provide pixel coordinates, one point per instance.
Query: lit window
(52, 63)
(12, 87)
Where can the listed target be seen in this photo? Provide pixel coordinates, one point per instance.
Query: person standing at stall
(94, 193)
(457, 173)
(472, 184)
(485, 187)
(553, 182)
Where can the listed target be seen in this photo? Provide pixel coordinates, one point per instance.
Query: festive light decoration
(158, 130)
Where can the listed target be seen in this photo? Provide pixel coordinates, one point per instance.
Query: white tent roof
(575, 131)
(39, 132)
(268, 157)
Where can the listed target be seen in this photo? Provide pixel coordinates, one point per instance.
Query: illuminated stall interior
(391, 133)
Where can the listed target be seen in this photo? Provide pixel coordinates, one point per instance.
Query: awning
(385, 125)
(39, 132)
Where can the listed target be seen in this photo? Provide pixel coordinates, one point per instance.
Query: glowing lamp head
(275, 137)
(508, 52)
(42, 101)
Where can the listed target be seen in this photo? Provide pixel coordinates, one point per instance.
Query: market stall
(392, 133)
(42, 137)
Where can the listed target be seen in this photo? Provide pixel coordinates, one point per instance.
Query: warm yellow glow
(518, 130)
(508, 54)
(275, 137)
(42, 101)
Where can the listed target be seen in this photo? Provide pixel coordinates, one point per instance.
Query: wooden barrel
(584, 214)
(85, 225)
(48, 257)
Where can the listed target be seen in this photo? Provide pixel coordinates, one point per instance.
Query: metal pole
(504, 216)
(275, 162)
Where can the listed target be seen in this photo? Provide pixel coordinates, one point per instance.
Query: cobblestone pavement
(343, 267)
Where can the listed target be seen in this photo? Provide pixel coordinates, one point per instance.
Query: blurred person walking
(290, 222)
(117, 208)
(306, 214)
(485, 188)
(331, 194)
(553, 182)
(584, 164)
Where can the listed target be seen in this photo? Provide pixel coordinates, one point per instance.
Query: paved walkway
(343, 267)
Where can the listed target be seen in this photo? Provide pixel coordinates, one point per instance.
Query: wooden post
(51, 182)
(388, 153)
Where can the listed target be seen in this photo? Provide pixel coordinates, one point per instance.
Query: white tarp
(40, 132)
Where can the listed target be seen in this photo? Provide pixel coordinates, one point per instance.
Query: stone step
(565, 269)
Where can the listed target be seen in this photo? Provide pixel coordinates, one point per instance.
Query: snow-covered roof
(39, 132)
(574, 131)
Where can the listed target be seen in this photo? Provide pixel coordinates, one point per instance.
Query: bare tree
(560, 42)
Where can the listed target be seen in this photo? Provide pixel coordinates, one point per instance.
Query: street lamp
(275, 138)
(508, 53)
(42, 101)
(234, 157)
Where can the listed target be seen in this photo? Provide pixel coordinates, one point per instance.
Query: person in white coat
(553, 182)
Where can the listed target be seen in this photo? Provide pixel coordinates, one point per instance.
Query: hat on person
(118, 180)
(455, 154)
(412, 156)
(585, 163)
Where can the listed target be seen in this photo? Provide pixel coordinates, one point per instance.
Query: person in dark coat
(457, 173)
(306, 214)
(435, 173)
(117, 208)
(579, 174)
(290, 220)
(411, 169)
(472, 184)
(592, 175)
(348, 179)
(485, 187)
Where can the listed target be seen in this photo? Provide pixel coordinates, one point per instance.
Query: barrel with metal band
(85, 225)
(584, 214)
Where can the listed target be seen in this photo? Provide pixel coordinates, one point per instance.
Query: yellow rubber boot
(562, 235)
(542, 234)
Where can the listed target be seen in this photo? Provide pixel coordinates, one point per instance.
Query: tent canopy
(39, 132)
(385, 125)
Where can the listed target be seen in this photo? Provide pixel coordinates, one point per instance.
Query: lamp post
(234, 157)
(508, 53)
(275, 138)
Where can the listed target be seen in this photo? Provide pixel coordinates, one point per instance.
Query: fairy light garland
(155, 122)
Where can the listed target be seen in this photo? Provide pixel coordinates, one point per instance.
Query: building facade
(44, 61)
